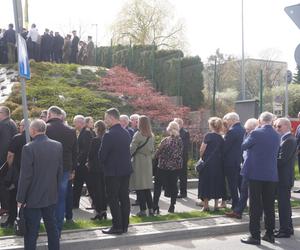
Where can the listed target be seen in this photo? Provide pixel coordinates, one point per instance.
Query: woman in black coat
(96, 173)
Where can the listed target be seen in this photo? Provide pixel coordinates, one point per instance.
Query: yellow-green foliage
(61, 85)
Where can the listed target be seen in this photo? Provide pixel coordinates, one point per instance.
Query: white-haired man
(260, 168)
(233, 154)
(41, 172)
(81, 171)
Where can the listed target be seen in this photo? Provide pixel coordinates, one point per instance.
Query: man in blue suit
(114, 155)
(260, 168)
(233, 154)
(285, 163)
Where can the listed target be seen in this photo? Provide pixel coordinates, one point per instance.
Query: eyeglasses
(278, 126)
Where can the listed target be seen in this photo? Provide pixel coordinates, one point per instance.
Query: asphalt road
(230, 242)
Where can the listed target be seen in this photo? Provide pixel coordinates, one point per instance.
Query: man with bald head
(41, 172)
(285, 164)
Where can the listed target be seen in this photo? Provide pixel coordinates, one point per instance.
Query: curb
(132, 238)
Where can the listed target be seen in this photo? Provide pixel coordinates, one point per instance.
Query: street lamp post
(243, 87)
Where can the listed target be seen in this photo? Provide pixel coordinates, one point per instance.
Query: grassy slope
(60, 84)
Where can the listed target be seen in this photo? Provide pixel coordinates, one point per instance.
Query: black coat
(41, 172)
(114, 152)
(58, 43)
(286, 161)
(93, 160)
(84, 141)
(74, 45)
(58, 131)
(8, 129)
(233, 147)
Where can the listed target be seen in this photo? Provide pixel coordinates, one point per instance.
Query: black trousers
(98, 193)
(4, 194)
(145, 198)
(262, 199)
(168, 180)
(183, 179)
(12, 206)
(81, 177)
(117, 190)
(285, 210)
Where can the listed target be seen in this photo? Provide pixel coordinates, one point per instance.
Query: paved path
(230, 242)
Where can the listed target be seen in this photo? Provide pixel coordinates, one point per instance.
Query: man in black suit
(114, 155)
(14, 163)
(185, 137)
(58, 131)
(41, 171)
(81, 172)
(8, 129)
(285, 164)
(233, 154)
(74, 47)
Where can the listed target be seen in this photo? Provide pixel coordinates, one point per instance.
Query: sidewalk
(146, 232)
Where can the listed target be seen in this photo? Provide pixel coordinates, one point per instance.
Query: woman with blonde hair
(169, 158)
(211, 178)
(142, 149)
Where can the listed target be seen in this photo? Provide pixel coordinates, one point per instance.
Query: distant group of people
(48, 47)
(117, 155)
(256, 161)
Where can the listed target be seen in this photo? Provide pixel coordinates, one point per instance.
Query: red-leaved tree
(139, 93)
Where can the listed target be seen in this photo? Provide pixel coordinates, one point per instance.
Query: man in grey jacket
(41, 171)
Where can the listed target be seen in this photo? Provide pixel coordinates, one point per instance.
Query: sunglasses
(278, 126)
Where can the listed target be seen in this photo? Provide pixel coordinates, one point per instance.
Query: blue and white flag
(24, 68)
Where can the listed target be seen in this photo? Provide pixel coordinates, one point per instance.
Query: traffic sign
(293, 12)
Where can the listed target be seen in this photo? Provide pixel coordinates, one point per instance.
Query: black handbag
(200, 166)
(19, 224)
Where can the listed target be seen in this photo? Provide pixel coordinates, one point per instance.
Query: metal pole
(18, 23)
(243, 88)
(25, 109)
(215, 87)
(261, 92)
(286, 110)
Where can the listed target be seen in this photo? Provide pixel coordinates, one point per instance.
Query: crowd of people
(117, 155)
(49, 46)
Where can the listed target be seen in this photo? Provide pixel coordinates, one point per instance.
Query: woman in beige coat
(142, 149)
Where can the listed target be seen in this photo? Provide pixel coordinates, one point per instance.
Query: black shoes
(113, 231)
(156, 210)
(249, 240)
(102, 216)
(269, 238)
(171, 209)
(181, 196)
(282, 235)
(297, 191)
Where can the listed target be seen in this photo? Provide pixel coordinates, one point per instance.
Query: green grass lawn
(88, 224)
(297, 174)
